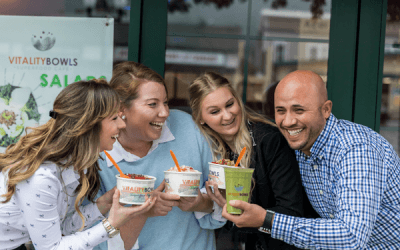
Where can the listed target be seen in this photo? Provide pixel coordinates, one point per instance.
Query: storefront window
(252, 42)
(207, 17)
(390, 104)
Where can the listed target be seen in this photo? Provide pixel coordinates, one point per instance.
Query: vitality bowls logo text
(140, 190)
(43, 61)
(190, 183)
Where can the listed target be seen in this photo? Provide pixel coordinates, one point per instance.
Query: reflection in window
(280, 53)
(313, 54)
(279, 59)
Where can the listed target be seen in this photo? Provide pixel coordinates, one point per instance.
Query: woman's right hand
(120, 214)
(218, 195)
(164, 202)
(104, 203)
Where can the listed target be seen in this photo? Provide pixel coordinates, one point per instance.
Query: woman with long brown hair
(46, 175)
(229, 126)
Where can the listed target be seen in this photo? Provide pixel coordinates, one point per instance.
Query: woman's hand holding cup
(216, 194)
(119, 214)
(200, 203)
(164, 202)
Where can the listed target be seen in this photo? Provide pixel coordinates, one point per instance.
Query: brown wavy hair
(127, 77)
(198, 90)
(71, 139)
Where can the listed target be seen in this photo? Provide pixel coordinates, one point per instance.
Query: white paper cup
(133, 191)
(185, 184)
(216, 172)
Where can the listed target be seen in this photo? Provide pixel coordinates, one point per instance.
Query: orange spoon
(116, 166)
(175, 160)
(240, 156)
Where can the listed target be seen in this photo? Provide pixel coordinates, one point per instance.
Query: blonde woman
(47, 173)
(229, 126)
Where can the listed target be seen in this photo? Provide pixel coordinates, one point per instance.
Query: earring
(123, 117)
(202, 123)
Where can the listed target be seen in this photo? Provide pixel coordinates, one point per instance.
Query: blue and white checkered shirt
(352, 179)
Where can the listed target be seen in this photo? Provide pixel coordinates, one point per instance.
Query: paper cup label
(217, 176)
(182, 184)
(134, 196)
(216, 173)
(134, 192)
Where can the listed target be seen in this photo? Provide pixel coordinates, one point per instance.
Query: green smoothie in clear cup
(238, 185)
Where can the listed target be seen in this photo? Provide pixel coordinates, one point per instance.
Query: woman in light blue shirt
(143, 147)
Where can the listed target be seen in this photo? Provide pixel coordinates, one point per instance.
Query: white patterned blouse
(42, 210)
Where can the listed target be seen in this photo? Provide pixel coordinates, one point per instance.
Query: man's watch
(111, 231)
(267, 225)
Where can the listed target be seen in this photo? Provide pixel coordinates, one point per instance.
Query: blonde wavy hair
(198, 90)
(127, 77)
(71, 139)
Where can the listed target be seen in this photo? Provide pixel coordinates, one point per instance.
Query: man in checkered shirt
(350, 173)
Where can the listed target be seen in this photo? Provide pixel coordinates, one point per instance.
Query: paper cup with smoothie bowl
(133, 190)
(185, 183)
(217, 171)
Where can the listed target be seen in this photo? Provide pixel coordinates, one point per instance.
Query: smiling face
(110, 127)
(147, 113)
(221, 112)
(301, 109)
